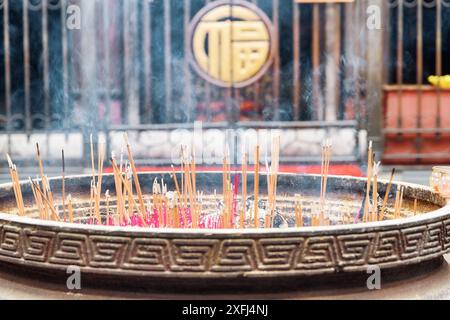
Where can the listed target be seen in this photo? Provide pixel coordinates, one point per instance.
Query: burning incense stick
(326, 155)
(193, 181)
(155, 200)
(256, 187)
(175, 180)
(41, 171)
(396, 203)
(98, 187)
(122, 151)
(179, 215)
(16, 186)
(267, 216)
(63, 187)
(274, 167)
(194, 173)
(244, 188)
(69, 200)
(173, 221)
(298, 211)
(184, 173)
(400, 204)
(122, 180)
(49, 205)
(37, 199)
(129, 195)
(50, 195)
(225, 186)
(92, 157)
(119, 195)
(91, 197)
(235, 193)
(135, 175)
(107, 198)
(189, 187)
(41, 200)
(386, 196)
(374, 213)
(369, 180)
(415, 206)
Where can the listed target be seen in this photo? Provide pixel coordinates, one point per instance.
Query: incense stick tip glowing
(10, 163)
(376, 168)
(125, 138)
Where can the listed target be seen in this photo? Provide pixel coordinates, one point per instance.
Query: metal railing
(417, 50)
(127, 67)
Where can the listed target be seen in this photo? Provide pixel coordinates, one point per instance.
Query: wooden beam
(375, 76)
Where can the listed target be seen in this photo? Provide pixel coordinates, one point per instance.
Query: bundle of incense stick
(374, 216)
(182, 208)
(16, 185)
(63, 184)
(386, 195)
(188, 189)
(98, 184)
(243, 208)
(256, 189)
(227, 192)
(369, 182)
(70, 208)
(44, 188)
(298, 211)
(326, 156)
(398, 202)
(272, 174)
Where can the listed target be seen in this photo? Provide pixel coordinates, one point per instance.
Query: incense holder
(159, 257)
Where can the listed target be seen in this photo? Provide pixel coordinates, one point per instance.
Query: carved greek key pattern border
(119, 254)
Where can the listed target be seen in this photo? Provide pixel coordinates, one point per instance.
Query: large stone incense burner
(161, 257)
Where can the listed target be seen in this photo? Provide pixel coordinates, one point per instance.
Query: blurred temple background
(352, 71)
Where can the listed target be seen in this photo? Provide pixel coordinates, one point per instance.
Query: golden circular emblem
(231, 43)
